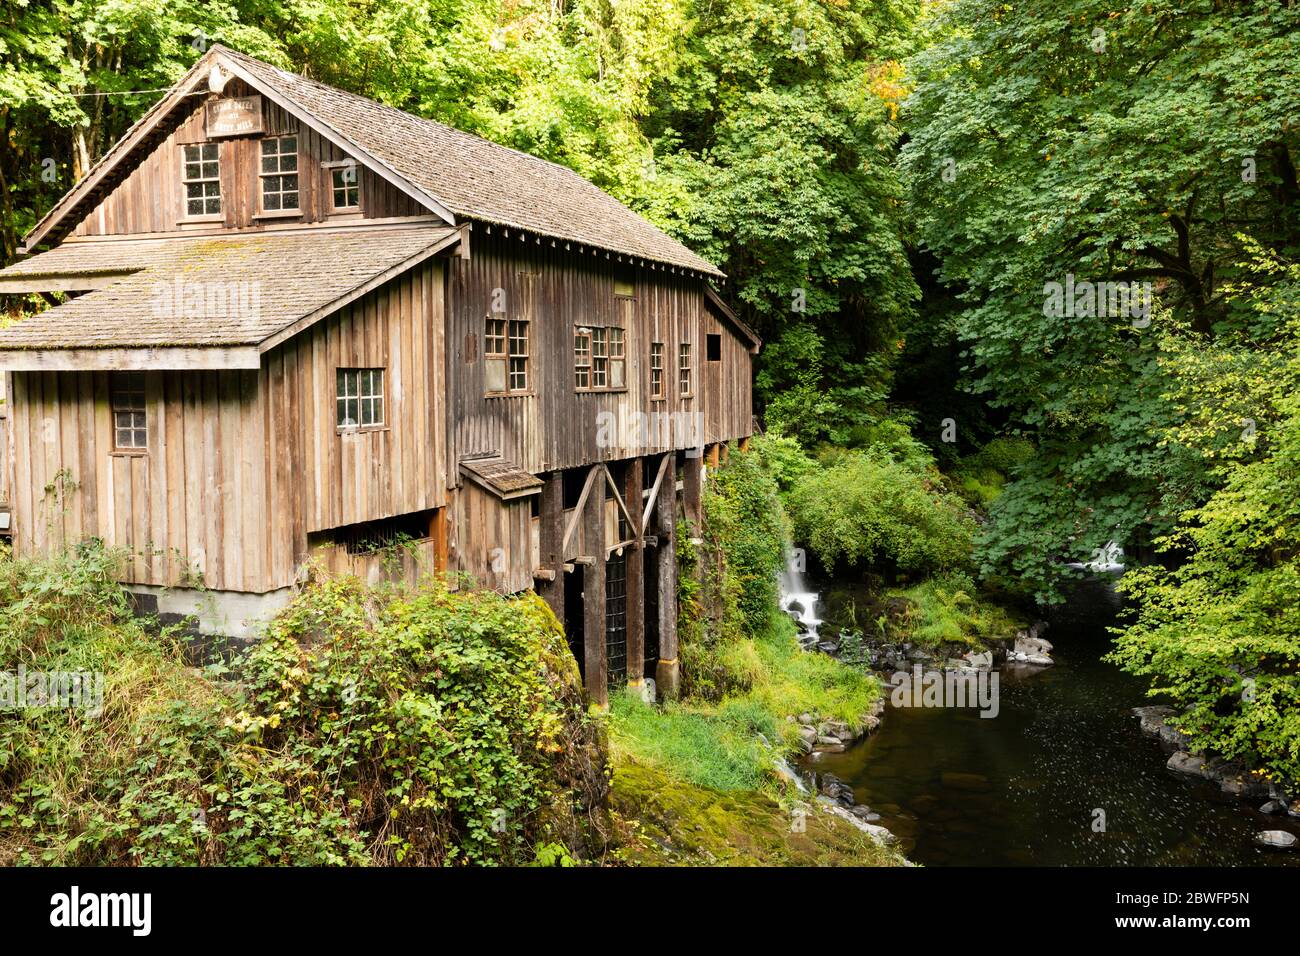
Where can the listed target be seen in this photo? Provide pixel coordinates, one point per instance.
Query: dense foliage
(869, 509)
(372, 726)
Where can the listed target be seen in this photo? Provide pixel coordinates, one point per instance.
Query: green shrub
(948, 609)
(371, 726)
(868, 508)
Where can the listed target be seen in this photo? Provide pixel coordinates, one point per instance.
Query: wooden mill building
(298, 326)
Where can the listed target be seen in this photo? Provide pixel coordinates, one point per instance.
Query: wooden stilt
(551, 540)
(668, 671)
(632, 483)
(692, 490)
(593, 595)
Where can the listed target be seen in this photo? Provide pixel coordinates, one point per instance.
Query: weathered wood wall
(322, 478)
(553, 426)
(192, 508)
(493, 542)
(241, 465)
(150, 196)
(6, 443)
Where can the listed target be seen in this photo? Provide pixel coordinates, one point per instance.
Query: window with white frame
(599, 359)
(130, 426)
(582, 359)
(657, 370)
(684, 369)
(280, 174)
(360, 397)
(505, 353)
(345, 187)
(201, 177)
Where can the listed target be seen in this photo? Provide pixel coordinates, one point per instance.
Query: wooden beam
(654, 492)
(592, 475)
(635, 577)
(61, 283)
(668, 671)
(693, 490)
(593, 597)
(209, 358)
(618, 497)
(551, 538)
(438, 530)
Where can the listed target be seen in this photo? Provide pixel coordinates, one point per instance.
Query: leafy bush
(372, 726)
(868, 508)
(948, 609)
(727, 586)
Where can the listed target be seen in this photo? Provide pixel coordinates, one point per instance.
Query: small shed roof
(242, 291)
(501, 476)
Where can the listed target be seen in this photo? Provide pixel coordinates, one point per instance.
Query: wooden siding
(241, 465)
(150, 196)
(554, 426)
(189, 509)
(494, 542)
(321, 478)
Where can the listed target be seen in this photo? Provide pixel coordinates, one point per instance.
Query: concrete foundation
(237, 615)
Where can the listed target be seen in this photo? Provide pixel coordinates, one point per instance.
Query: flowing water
(1024, 788)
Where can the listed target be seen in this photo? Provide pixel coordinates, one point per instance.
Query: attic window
(624, 288)
(280, 174)
(201, 174)
(713, 347)
(126, 395)
(345, 188)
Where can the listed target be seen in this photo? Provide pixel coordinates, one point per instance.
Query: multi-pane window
(505, 350)
(518, 355)
(360, 397)
(126, 395)
(201, 175)
(656, 370)
(582, 358)
(599, 358)
(280, 173)
(684, 369)
(346, 187)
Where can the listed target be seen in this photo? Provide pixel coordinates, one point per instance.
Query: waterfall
(796, 599)
(1107, 560)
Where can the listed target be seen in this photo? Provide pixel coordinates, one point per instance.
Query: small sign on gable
(235, 116)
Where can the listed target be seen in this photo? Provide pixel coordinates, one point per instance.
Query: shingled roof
(246, 290)
(453, 172)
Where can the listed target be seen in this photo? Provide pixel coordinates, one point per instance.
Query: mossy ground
(668, 822)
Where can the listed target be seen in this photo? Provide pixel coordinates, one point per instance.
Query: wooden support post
(593, 596)
(693, 489)
(713, 456)
(440, 533)
(744, 443)
(632, 483)
(551, 541)
(668, 672)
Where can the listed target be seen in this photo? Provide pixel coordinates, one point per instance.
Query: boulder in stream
(1276, 839)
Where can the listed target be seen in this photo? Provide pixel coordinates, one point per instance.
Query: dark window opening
(713, 343)
(575, 617)
(369, 537)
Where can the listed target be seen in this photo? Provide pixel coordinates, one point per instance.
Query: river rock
(1278, 839)
(864, 813)
(840, 729)
(1154, 720)
(1242, 785)
(982, 660)
(1272, 807)
(830, 745)
(1294, 809)
(1191, 764)
(806, 720)
(1027, 645)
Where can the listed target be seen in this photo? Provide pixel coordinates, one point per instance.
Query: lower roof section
(204, 303)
